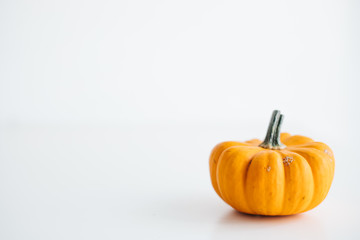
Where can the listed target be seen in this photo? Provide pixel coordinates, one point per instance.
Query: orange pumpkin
(283, 175)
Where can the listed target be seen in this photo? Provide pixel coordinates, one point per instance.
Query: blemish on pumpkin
(287, 160)
(268, 169)
(303, 198)
(328, 153)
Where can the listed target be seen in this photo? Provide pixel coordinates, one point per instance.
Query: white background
(109, 111)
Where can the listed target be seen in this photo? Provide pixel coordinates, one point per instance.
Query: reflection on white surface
(302, 226)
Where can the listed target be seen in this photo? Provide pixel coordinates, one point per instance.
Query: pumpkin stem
(276, 137)
(272, 138)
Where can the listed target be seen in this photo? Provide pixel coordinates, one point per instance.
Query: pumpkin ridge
(327, 152)
(247, 184)
(223, 185)
(319, 196)
(284, 136)
(313, 178)
(299, 208)
(291, 140)
(214, 158)
(246, 201)
(220, 158)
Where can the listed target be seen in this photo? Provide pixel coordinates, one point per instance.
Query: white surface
(141, 183)
(109, 110)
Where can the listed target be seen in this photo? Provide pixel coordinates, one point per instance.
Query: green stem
(272, 138)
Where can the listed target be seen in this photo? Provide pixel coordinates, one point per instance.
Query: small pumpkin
(283, 175)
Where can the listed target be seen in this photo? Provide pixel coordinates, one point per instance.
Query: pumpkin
(283, 175)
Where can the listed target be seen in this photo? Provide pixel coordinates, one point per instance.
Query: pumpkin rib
(307, 207)
(327, 155)
(322, 147)
(284, 136)
(262, 180)
(230, 173)
(320, 170)
(215, 154)
(217, 181)
(301, 195)
(244, 183)
(295, 140)
(214, 157)
(254, 142)
(246, 200)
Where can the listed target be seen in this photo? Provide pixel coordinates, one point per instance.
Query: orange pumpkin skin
(260, 181)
